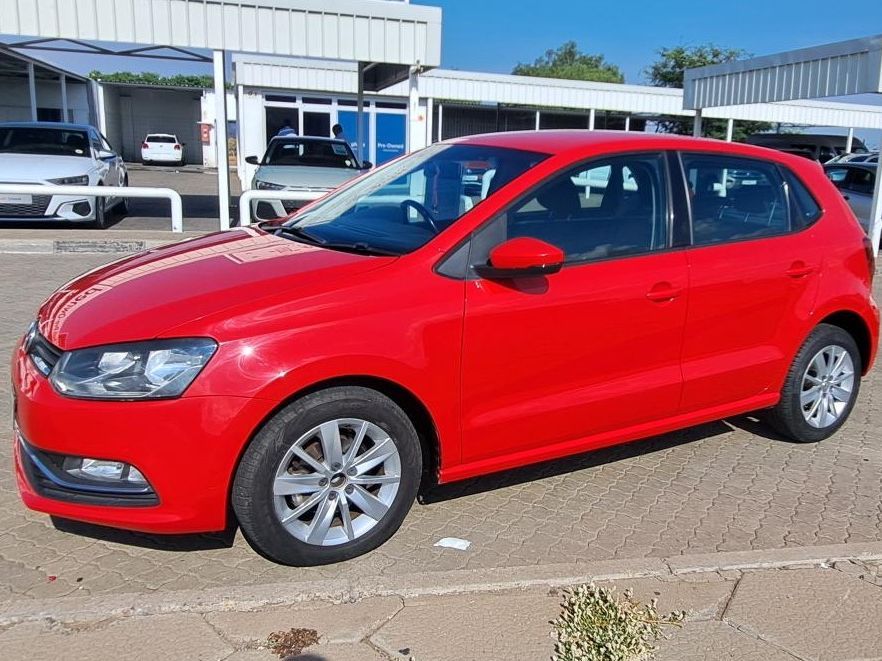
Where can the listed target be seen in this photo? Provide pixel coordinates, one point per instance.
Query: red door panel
(746, 301)
(587, 350)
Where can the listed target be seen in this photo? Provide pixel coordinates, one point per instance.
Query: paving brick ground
(720, 487)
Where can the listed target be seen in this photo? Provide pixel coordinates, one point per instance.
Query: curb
(82, 246)
(253, 597)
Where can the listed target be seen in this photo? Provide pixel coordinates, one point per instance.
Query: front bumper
(187, 449)
(50, 208)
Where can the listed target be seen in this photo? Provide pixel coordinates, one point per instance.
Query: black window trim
(787, 174)
(790, 232)
(662, 154)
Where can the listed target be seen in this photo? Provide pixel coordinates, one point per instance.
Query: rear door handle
(800, 270)
(663, 291)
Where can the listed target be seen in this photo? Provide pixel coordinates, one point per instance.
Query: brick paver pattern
(725, 486)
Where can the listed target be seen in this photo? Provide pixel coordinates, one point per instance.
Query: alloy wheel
(336, 482)
(827, 386)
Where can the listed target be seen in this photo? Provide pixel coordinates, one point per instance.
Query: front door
(550, 361)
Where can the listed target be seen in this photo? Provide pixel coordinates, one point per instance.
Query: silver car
(306, 164)
(856, 182)
(56, 154)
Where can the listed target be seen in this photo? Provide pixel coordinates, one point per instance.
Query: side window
(734, 198)
(804, 209)
(861, 181)
(611, 208)
(95, 141)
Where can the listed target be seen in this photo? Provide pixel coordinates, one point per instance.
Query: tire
(122, 207)
(268, 460)
(789, 417)
(100, 221)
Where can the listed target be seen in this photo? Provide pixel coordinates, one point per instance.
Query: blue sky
(494, 35)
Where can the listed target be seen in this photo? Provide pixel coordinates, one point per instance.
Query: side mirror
(253, 160)
(104, 155)
(525, 256)
(366, 165)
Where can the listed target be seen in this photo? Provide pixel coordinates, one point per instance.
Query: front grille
(44, 354)
(37, 208)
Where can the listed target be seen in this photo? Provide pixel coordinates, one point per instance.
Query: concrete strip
(252, 597)
(789, 557)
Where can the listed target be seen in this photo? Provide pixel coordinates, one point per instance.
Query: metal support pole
(849, 141)
(359, 114)
(440, 121)
(876, 210)
(730, 129)
(430, 111)
(591, 119)
(64, 111)
(32, 88)
(627, 122)
(538, 119)
(696, 127)
(220, 138)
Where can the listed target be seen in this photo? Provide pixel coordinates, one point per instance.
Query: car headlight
(82, 180)
(139, 370)
(266, 185)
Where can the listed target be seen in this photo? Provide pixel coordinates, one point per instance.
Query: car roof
(166, 135)
(49, 125)
(568, 142)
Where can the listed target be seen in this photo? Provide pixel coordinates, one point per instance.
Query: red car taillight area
(145, 145)
(871, 257)
(177, 147)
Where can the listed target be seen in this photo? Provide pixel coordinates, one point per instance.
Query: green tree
(149, 78)
(668, 71)
(569, 62)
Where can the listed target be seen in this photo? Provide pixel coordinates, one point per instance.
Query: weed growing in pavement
(596, 625)
(288, 644)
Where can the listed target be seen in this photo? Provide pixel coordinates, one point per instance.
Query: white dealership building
(304, 62)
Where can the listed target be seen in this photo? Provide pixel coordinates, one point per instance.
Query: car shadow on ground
(434, 493)
(179, 543)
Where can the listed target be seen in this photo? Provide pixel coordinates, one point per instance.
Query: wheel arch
(413, 407)
(856, 326)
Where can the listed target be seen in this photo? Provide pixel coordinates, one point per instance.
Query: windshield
(43, 141)
(315, 153)
(401, 206)
(161, 138)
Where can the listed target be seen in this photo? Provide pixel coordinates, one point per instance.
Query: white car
(162, 148)
(51, 153)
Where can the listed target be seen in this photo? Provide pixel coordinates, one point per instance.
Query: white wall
(207, 115)
(15, 100)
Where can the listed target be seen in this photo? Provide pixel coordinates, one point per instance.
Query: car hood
(19, 168)
(140, 297)
(301, 176)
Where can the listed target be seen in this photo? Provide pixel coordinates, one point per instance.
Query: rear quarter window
(804, 209)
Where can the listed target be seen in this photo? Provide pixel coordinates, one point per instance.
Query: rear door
(753, 272)
(594, 348)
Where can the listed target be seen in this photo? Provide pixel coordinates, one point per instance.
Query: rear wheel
(122, 207)
(821, 386)
(331, 476)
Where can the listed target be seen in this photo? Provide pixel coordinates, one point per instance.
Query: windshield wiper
(298, 233)
(361, 248)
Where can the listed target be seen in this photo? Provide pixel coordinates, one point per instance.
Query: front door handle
(663, 291)
(800, 270)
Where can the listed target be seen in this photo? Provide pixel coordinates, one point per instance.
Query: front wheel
(331, 476)
(821, 387)
(100, 220)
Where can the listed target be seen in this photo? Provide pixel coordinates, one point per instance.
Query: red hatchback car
(591, 289)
